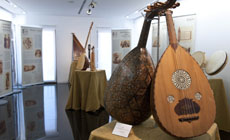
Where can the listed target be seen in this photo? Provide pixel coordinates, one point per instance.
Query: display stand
(87, 90)
(222, 109)
(148, 130)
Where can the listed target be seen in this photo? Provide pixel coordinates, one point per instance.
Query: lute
(128, 91)
(82, 63)
(182, 100)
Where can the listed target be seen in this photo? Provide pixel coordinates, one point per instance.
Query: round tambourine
(199, 57)
(216, 62)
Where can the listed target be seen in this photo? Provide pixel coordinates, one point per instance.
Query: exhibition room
(114, 70)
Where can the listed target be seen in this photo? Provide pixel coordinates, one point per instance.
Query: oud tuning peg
(155, 5)
(147, 10)
(176, 5)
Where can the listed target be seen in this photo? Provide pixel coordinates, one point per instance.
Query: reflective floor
(38, 112)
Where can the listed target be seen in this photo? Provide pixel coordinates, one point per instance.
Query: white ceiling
(103, 9)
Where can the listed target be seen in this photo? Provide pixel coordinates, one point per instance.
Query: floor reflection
(8, 123)
(33, 105)
(38, 112)
(82, 123)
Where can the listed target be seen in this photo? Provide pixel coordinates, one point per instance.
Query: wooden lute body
(182, 100)
(128, 90)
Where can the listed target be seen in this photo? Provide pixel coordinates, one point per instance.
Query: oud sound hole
(186, 107)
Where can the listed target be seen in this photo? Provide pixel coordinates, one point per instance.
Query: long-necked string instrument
(83, 62)
(182, 100)
(128, 90)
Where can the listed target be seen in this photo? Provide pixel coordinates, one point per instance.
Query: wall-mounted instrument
(182, 100)
(128, 90)
(216, 62)
(199, 56)
(82, 63)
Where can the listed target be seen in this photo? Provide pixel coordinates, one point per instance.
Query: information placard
(5, 57)
(121, 45)
(31, 46)
(122, 129)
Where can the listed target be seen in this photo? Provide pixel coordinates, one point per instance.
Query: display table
(86, 90)
(148, 130)
(71, 71)
(222, 109)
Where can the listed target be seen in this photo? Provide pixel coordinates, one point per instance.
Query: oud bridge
(187, 109)
(189, 119)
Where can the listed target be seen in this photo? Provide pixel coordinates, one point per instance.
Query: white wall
(213, 33)
(138, 24)
(64, 27)
(4, 15)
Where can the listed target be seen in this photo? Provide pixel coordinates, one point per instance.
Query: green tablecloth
(148, 130)
(86, 90)
(222, 110)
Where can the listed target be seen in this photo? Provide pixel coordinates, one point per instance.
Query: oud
(182, 100)
(128, 90)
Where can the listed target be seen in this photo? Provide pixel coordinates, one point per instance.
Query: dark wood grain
(128, 91)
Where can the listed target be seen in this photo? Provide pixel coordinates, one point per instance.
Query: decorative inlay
(198, 96)
(181, 79)
(170, 99)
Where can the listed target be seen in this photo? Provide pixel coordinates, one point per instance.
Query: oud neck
(171, 30)
(144, 33)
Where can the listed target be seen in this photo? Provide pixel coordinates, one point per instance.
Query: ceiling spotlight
(89, 12)
(92, 4)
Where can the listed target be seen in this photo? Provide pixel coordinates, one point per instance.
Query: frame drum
(199, 57)
(216, 62)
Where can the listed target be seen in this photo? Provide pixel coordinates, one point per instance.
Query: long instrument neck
(88, 35)
(144, 33)
(171, 30)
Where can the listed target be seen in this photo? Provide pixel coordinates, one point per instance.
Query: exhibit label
(31, 55)
(122, 129)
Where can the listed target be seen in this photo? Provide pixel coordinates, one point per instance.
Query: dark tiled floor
(38, 112)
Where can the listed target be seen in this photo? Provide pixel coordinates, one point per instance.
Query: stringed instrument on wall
(83, 62)
(128, 91)
(182, 100)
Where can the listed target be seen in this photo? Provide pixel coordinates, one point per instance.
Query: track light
(89, 12)
(92, 4)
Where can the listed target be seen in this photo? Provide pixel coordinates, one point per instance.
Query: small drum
(216, 62)
(199, 57)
